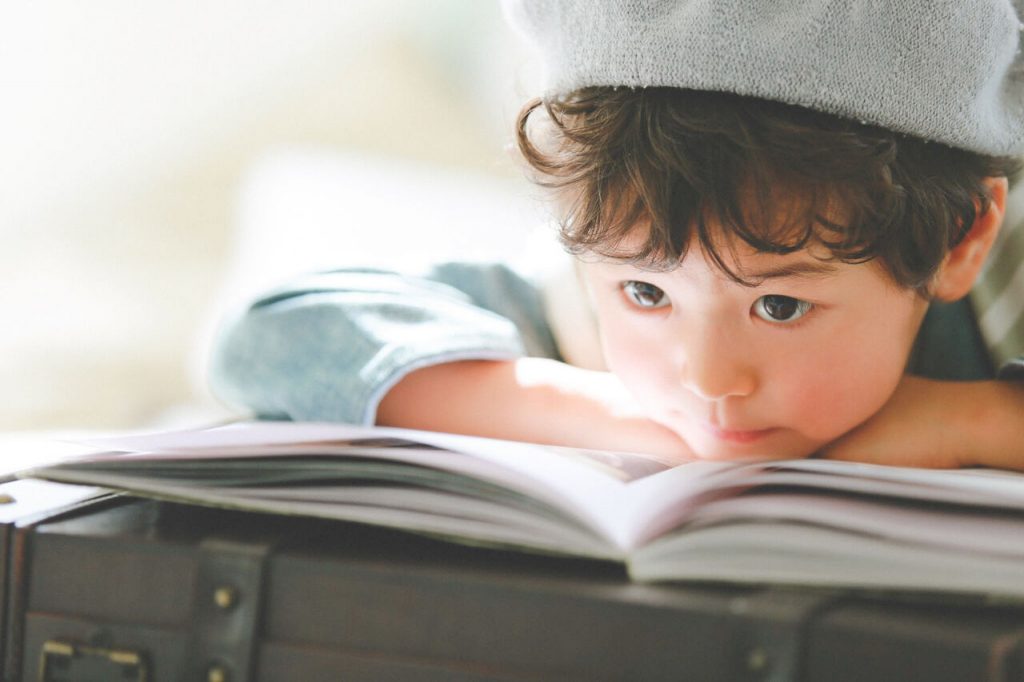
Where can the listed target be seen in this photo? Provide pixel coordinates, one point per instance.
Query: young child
(777, 213)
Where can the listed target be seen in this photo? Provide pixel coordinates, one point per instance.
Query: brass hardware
(225, 597)
(58, 648)
(124, 657)
(217, 673)
(60, 660)
(757, 659)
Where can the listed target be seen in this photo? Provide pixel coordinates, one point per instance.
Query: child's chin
(766, 449)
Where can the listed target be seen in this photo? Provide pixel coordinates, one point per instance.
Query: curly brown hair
(694, 166)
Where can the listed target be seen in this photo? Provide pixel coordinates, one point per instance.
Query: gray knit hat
(943, 70)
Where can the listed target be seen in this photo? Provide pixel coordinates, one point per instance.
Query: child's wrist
(991, 424)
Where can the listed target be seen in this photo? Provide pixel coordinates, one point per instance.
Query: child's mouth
(737, 436)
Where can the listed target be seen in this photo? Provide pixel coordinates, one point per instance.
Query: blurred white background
(160, 160)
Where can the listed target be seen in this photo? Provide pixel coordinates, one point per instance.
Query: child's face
(776, 370)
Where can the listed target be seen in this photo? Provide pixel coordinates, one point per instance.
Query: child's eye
(644, 295)
(775, 308)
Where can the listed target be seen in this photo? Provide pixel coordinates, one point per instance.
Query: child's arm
(445, 351)
(328, 346)
(942, 424)
(529, 399)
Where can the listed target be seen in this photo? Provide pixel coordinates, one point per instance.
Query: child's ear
(962, 264)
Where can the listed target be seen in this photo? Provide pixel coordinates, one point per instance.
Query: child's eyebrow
(803, 269)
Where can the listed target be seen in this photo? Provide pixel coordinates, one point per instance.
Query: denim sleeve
(328, 347)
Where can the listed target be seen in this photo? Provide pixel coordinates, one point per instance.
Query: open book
(806, 522)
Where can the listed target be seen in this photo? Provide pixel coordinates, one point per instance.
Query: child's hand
(529, 399)
(941, 424)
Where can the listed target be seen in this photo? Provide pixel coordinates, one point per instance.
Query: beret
(949, 71)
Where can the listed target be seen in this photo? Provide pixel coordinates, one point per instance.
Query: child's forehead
(738, 256)
(813, 265)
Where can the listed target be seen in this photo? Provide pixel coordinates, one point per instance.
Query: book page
(626, 499)
(660, 503)
(582, 483)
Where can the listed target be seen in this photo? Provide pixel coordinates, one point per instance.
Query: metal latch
(66, 662)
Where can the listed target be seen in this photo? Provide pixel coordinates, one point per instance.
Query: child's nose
(715, 369)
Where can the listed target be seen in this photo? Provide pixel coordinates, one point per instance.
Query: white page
(629, 515)
(551, 475)
(961, 487)
(32, 497)
(238, 434)
(764, 553)
(991, 533)
(658, 503)
(533, 533)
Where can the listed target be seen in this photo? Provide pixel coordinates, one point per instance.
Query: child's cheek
(634, 359)
(835, 397)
